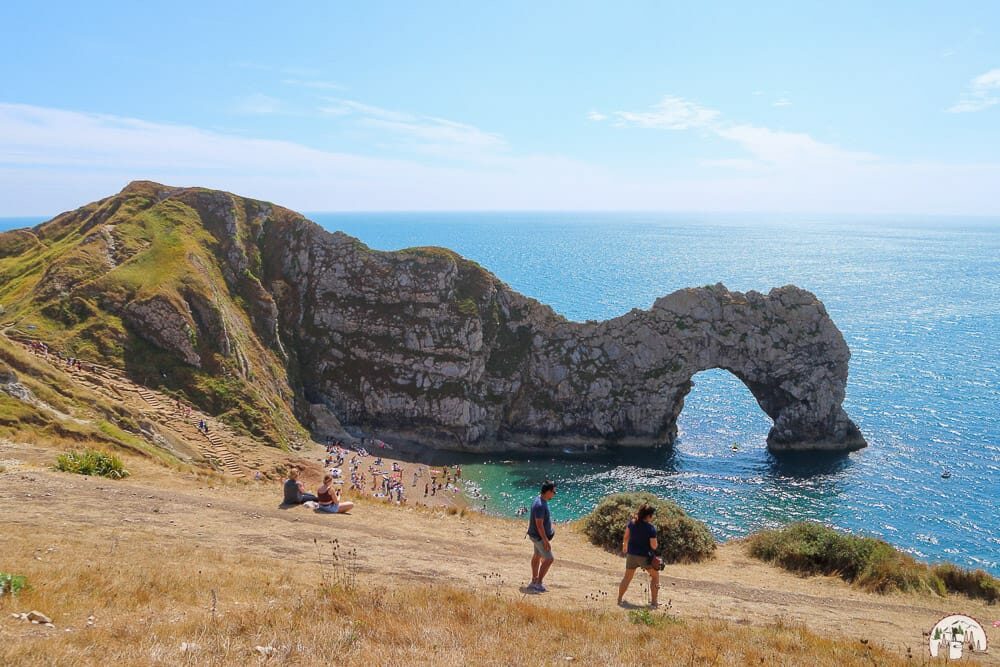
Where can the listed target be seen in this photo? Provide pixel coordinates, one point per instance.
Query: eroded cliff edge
(419, 345)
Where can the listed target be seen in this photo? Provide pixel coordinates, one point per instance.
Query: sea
(917, 299)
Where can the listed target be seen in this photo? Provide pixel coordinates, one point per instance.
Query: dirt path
(399, 544)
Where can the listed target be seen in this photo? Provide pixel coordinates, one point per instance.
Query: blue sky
(789, 107)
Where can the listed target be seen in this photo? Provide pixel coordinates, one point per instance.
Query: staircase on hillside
(115, 385)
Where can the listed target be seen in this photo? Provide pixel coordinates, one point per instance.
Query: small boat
(946, 474)
(735, 448)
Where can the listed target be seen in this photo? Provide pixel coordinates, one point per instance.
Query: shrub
(974, 583)
(875, 565)
(92, 462)
(681, 539)
(12, 583)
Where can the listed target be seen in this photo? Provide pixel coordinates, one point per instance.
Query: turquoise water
(919, 304)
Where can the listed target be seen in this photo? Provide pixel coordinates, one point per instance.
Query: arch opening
(718, 409)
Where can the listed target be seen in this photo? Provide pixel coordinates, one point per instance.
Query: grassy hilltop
(165, 289)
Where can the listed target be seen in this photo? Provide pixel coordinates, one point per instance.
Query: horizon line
(42, 217)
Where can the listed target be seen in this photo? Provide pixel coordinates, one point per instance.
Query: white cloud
(340, 107)
(671, 113)
(596, 116)
(730, 163)
(782, 102)
(424, 134)
(52, 160)
(788, 149)
(438, 135)
(983, 92)
(769, 148)
(258, 103)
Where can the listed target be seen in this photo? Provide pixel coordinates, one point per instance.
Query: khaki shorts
(540, 549)
(632, 561)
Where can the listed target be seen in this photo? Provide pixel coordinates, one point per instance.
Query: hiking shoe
(539, 588)
(654, 605)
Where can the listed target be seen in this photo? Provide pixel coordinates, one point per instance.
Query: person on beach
(638, 545)
(328, 498)
(294, 490)
(541, 533)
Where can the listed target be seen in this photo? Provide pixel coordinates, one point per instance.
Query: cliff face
(424, 346)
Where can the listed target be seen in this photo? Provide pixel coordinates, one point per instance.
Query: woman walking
(639, 545)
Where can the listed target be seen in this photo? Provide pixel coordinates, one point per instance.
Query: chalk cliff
(422, 345)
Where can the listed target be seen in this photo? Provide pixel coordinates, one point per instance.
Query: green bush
(12, 583)
(875, 565)
(92, 462)
(973, 583)
(681, 539)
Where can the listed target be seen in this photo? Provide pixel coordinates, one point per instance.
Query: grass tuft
(650, 619)
(12, 584)
(92, 462)
(869, 563)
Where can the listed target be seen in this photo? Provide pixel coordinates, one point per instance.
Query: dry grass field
(180, 604)
(174, 567)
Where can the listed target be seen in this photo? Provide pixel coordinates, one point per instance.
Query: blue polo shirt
(540, 510)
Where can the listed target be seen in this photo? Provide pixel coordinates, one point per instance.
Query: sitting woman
(329, 498)
(638, 544)
(294, 490)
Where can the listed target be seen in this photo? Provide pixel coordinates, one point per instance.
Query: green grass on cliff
(871, 564)
(59, 284)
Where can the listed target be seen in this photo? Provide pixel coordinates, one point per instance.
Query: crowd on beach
(369, 474)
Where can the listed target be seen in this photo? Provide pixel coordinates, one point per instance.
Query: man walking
(540, 531)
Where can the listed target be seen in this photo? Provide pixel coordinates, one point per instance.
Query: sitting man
(294, 490)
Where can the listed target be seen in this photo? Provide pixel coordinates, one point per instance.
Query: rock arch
(422, 345)
(628, 376)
